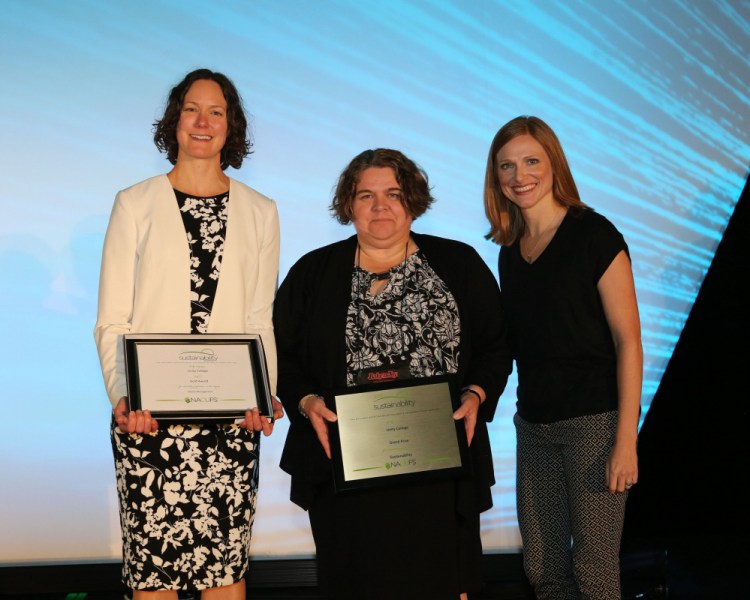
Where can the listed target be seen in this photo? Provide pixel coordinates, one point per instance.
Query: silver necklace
(552, 227)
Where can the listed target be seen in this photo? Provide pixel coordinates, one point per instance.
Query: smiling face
(202, 128)
(378, 213)
(524, 172)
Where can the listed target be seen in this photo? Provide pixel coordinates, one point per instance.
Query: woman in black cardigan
(389, 299)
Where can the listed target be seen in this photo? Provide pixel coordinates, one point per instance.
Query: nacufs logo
(201, 399)
(205, 355)
(400, 461)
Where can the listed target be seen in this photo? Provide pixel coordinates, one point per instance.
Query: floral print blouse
(413, 322)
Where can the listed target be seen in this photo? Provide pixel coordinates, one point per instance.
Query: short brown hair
(415, 188)
(238, 142)
(506, 222)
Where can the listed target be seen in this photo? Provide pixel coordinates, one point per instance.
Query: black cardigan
(309, 321)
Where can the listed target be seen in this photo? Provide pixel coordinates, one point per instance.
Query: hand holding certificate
(386, 434)
(203, 377)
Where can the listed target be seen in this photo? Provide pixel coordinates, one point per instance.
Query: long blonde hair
(506, 222)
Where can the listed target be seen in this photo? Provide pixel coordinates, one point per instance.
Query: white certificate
(196, 377)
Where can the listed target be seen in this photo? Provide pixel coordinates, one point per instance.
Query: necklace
(541, 236)
(358, 298)
(385, 274)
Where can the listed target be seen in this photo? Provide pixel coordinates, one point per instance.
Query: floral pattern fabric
(187, 493)
(187, 502)
(414, 321)
(205, 220)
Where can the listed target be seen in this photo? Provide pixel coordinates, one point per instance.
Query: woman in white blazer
(190, 251)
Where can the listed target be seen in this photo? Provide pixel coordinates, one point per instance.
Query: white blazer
(144, 285)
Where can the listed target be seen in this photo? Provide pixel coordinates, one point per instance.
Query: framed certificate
(402, 431)
(197, 377)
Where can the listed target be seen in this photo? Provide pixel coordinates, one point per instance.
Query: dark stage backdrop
(649, 99)
(690, 503)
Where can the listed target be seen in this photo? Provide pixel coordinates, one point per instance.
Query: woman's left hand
(469, 411)
(254, 421)
(622, 467)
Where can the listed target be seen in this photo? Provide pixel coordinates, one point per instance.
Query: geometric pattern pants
(570, 524)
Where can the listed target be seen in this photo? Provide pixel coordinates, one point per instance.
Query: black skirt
(402, 542)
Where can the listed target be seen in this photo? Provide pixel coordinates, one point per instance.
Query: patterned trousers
(570, 524)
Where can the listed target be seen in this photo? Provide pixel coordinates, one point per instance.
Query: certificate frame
(404, 459)
(176, 356)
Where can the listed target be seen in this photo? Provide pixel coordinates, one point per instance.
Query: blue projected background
(649, 99)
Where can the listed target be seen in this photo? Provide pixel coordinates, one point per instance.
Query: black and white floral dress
(187, 494)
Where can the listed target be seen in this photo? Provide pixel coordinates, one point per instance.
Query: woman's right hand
(320, 415)
(133, 421)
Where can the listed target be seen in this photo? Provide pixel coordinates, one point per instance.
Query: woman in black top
(568, 291)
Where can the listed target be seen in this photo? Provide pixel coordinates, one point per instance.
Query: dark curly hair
(238, 142)
(415, 188)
